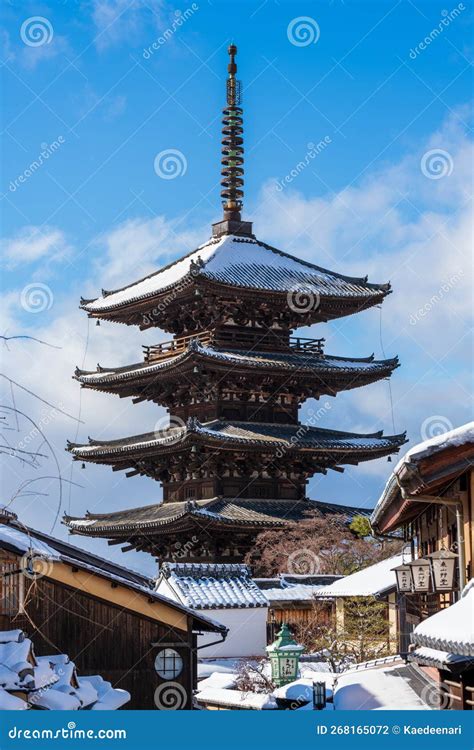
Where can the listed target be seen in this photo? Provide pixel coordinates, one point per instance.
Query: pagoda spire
(232, 160)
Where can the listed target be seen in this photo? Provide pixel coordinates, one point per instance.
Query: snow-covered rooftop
(371, 581)
(243, 262)
(450, 629)
(458, 437)
(213, 586)
(375, 690)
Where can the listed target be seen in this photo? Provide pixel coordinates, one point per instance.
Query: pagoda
(234, 459)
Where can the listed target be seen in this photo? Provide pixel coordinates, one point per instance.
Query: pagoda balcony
(245, 340)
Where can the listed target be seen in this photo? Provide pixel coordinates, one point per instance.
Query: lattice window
(11, 586)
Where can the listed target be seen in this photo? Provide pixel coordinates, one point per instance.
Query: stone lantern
(284, 654)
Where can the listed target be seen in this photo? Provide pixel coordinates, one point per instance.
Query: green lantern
(284, 654)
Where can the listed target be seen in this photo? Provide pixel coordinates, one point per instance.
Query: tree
(360, 635)
(361, 526)
(317, 544)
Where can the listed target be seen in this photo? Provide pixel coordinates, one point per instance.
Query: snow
(11, 702)
(26, 542)
(50, 682)
(450, 629)
(291, 593)
(237, 699)
(207, 586)
(432, 657)
(158, 281)
(373, 580)
(453, 438)
(218, 680)
(374, 690)
(302, 689)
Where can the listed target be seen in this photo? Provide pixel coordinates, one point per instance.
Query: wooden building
(430, 497)
(234, 459)
(107, 618)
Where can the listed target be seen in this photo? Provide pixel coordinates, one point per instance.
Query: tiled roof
(241, 262)
(213, 586)
(370, 581)
(221, 511)
(451, 629)
(293, 360)
(266, 435)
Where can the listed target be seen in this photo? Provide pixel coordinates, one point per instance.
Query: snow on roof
(375, 690)
(26, 541)
(371, 581)
(292, 593)
(431, 657)
(450, 629)
(218, 680)
(452, 439)
(237, 699)
(213, 586)
(238, 261)
(49, 682)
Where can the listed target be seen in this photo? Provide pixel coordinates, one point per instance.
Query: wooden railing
(247, 340)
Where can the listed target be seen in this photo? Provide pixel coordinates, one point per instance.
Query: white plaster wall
(247, 633)
(247, 629)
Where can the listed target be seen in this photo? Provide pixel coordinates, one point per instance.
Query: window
(11, 587)
(168, 664)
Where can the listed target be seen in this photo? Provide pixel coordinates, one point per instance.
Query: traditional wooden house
(234, 459)
(107, 618)
(430, 497)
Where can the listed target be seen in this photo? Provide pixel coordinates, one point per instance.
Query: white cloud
(120, 21)
(32, 244)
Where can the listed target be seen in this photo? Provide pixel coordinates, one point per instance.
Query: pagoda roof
(246, 435)
(239, 262)
(317, 364)
(161, 518)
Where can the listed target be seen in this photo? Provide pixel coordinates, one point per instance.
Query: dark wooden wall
(101, 639)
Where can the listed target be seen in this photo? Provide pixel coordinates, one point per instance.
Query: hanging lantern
(319, 696)
(284, 654)
(404, 579)
(420, 573)
(443, 565)
(98, 323)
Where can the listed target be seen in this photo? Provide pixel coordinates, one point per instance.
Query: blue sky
(394, 109)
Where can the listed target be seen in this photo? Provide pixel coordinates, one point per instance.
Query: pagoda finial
(232, 145)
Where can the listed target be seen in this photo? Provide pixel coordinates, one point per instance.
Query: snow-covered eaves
(432, 657)
(407, 470)
(450, 629)
(245, 263)
(375, 580)
(213, 586)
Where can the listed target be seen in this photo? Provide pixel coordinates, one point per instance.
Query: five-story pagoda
(234, 459)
